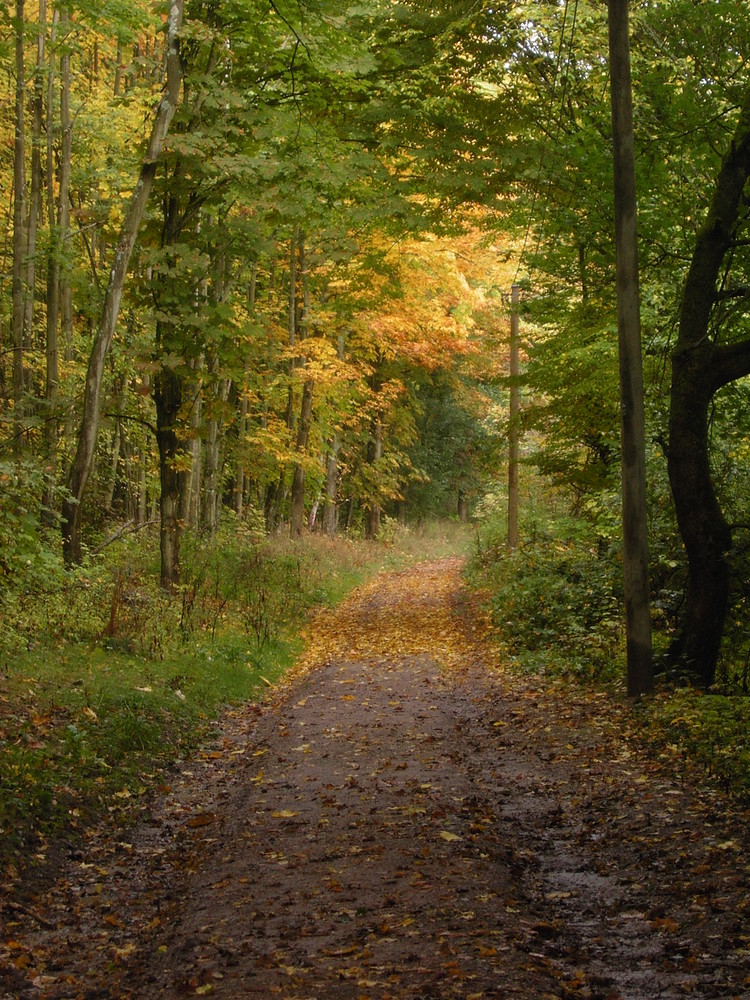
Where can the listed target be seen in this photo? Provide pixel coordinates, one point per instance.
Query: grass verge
(105, 680)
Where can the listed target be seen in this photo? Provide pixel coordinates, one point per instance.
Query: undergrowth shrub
(710, 728)
(555, 601)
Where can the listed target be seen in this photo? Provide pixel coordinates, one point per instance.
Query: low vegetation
(555, 607)
(105, 679)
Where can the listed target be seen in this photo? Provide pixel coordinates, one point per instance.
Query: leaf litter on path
(403, 820)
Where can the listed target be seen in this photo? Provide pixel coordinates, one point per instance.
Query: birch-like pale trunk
(89, 428)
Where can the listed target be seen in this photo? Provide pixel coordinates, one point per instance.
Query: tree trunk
(81, 467)
(35, 195)
(632, 419)
(297, 511)
(52, 373)
(63, 216)
(513, 420)
(329, 517)
(242, 424)
(700, 367)
(168, 400)
(374, 454)
(330, 508)
(463, 507)
(190, 478)
(212, 450)
(19, 242)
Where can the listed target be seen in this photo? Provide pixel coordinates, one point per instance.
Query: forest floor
(402, 819)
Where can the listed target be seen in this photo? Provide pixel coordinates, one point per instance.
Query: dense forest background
(256, 270)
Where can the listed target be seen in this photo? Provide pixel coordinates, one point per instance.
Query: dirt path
(404, 821)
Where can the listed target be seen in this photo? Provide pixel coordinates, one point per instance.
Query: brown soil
(404, 820)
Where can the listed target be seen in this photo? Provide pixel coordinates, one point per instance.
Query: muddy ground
(402, 819)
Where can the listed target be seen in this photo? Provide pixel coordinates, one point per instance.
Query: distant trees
(311, 332)
(245, 337)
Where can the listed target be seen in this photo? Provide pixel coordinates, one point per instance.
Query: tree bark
(329, 516)
(700, 367)
(242, 423)
(374, 454)
(297, 505)
(35, 195)
(81, 466)
(19, 242)
(515, 409)
(63, 214)
(52, 374)
(168, 401)
(632, 418)
(297, 510)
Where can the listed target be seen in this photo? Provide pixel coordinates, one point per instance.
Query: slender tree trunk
(114, 464)
(330, 500)
(191, 475)
(329, 518)
(374, 454)
(297, 512)
(168, 401)
(513, 429)
(117, 88)
(297, 509)
(142, 509)
(632, 419)
(242, 427)
(35, 195)
(63, 216)
(19, 242)
(52, 373)
(81, 467)
(212, 450)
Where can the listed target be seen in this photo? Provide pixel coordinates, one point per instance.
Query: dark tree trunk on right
(702, 363)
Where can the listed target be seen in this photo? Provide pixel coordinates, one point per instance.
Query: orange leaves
(396, 616)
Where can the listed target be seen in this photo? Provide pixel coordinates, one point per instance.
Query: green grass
(104, 680)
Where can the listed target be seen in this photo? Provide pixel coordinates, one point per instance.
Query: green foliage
(27, 561)
(555, 602)
(104, 679)
(712, 729)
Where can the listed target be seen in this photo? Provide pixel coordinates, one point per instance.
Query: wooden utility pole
(632, 420)
(515, 409)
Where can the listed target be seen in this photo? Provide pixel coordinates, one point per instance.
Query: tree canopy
(257, 256)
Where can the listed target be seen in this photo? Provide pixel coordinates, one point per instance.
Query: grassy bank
(105, 680)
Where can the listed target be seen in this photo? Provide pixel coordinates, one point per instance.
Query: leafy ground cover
(404, 818)
(105, 680)
(555, 606)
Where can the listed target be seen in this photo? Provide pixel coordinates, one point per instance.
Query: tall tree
(632, 419)
(19, 222)
(709, 354)
(89, 427)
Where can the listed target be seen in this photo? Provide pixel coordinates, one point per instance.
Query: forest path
(403, 820)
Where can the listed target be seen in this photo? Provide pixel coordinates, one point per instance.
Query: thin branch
(129, 528)
(134, 420)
